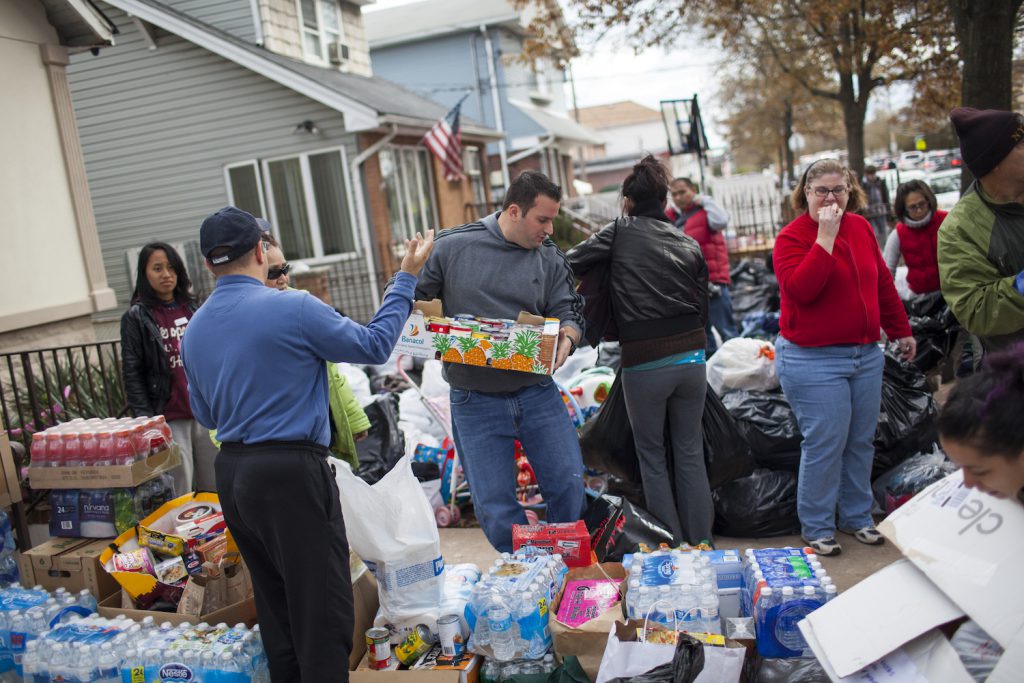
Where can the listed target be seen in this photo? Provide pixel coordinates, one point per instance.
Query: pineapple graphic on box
(500, 352)
(525, 345)
(443, 346)
(472, 354)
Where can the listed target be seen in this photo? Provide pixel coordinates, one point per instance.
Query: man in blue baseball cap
(265, 392)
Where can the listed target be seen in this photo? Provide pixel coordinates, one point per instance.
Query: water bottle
(632, 594)
(643, 602)
(662, 611)
(831, 591)
(792, 611)
(527, 622)
(108, 665)
(88, 601)
(709, 614)
(688, 616)
(502, 639)
(476, 615)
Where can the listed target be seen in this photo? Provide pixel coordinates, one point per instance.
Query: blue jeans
(720, 316)
(836, 394)
(486, 426)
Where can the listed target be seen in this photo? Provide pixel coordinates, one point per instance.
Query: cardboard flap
(435, 309)
(851, 628)
(968, 544)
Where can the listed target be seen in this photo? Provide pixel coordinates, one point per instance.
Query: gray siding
(158, 127)
(232, 16)
(442, 68)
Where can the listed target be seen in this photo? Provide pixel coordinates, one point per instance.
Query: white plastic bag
(433, 382)
(391, 526)
(358, 382)
(627, 659)
(743, 363)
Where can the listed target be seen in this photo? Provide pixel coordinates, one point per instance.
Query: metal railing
(43, 387)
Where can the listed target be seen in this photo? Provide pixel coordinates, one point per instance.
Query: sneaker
(825, 546)
(869, 535)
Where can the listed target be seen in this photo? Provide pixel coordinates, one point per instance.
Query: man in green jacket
(981, 242)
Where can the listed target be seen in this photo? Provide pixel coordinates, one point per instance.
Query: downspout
(543, 144)
(364, 220)
(257, 21)
(496, 103)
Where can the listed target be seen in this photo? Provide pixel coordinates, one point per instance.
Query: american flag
(445, 141)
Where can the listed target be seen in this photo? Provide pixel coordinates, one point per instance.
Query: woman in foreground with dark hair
(154, 377)
(659, 304)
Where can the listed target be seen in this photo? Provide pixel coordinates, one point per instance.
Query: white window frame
(270, 210)
(397, 155)
(255, 164)
(320, 31)
(473, 168)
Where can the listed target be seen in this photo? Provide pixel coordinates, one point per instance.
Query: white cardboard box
(963, 552)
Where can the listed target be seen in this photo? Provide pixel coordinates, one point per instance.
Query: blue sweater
(254, 357)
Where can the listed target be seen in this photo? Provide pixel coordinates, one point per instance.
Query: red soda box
(571, 540)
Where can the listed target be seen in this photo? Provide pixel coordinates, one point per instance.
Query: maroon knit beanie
(986, 136)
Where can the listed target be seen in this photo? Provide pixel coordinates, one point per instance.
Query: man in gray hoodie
(496, 267)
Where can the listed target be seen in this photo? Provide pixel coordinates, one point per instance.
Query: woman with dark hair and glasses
(154, 377)
(836, 294)
(916, 236)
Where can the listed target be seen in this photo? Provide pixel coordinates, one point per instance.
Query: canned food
(505, 322)
(459, 331)
(440, 328)
(415, 645)
(463, 317)
(481, 335)
(378, 647)
(449, 632)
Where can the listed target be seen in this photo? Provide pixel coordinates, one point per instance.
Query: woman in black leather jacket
(658, 291)
(154, 377)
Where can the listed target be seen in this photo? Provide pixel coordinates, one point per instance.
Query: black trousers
(281, 503)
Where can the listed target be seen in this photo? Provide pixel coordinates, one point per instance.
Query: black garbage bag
(754, 289)
(726, 452)
(928, 305)
(767, 422)
(934, 327)
(617, 527)
(632, 491)
(687, 663)
(797, 670)
(607, 440)
(385, 444)
(758, 506)
(908, 415)
(910, 477)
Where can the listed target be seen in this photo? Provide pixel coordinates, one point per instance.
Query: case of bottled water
(781, 586)
(507, 612)
(674, 589)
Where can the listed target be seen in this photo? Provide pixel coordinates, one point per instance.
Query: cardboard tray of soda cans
(527, 344)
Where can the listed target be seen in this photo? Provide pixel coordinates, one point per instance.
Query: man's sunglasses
(277, 272)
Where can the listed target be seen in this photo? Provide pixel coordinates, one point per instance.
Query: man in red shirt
(704, 220)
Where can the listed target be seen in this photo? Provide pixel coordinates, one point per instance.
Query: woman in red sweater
(836, 295)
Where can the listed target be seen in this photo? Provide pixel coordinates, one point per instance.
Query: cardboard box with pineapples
(525, 345)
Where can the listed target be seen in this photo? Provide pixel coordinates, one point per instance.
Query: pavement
(856, 563)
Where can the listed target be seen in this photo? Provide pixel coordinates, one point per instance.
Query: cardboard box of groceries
(527, 344)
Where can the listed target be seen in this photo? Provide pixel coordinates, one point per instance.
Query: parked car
(909, 160)
(941, 160)
(946, 186)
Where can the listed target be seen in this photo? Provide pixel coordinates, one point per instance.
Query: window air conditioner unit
(337, 53)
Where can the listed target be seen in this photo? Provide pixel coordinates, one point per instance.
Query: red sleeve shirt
(838, 298)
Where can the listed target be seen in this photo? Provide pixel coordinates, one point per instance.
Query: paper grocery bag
(238, 583)
(587, 641)
(205, 591)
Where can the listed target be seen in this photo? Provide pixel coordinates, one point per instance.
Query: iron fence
(43, 387)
